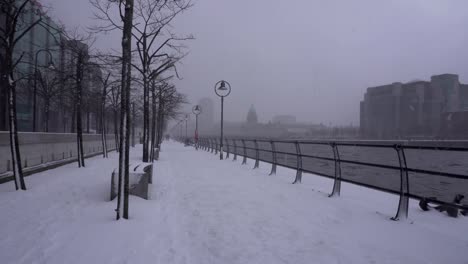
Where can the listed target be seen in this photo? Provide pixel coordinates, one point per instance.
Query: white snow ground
(209, 211)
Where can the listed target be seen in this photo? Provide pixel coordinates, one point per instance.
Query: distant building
(284, 120)
(414, 109)
(252, 118)
(206, 118)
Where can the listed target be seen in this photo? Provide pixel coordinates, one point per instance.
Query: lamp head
(51, 65)
(222, 86)
(196, 110)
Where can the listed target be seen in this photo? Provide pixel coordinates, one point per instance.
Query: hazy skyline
(311, 59)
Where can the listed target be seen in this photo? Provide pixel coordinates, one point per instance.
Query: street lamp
(50, 66)
(180, 130)
(222, 89)
(196, 110)
(186, 135)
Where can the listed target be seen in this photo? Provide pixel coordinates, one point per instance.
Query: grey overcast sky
(309, 58)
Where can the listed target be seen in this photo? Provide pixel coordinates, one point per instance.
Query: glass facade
(44, 36)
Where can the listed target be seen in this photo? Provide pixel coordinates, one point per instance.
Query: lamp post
(52, 67)
(186, 134)
(222, 89)
(180, 130)
(196, 110)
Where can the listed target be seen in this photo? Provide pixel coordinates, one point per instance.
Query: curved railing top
(447, 145)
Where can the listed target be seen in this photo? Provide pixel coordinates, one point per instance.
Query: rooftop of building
(445, 76)
(387, 88)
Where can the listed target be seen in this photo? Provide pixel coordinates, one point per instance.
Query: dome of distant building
(252, 116)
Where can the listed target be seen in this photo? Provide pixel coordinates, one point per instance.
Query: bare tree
(169, 103)
(105, 84)
(77, 46)
(158, 50)
(114, 100)
(16, 26)
(50, 89)
(157, 47)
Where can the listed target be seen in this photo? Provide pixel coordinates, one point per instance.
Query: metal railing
(335, 159)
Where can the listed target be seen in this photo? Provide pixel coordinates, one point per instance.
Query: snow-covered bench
(141, 178)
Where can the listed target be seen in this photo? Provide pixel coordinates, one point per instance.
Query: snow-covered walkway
(209, 211)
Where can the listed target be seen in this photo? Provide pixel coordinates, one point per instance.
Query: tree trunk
(145, 118)
(146, 112)
(116, 132)
(160, 131)
(14, 143)
(3, 106)
(87, 119)
(79, 128)
(160, 119)
(153, 121)
(46, 114)
(133, 124)
(73, 118)
(103, 122)
(125, 106)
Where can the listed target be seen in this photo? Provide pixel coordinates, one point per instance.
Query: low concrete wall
(41, 148)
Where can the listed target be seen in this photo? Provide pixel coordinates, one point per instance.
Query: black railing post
(299, 164)
(273, 161)
(216, 146)
(402, 212)
(227, 148)
(235, 149)
(337, 183)
(244, 160)
(257, 155)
